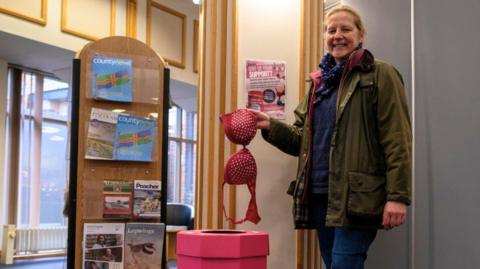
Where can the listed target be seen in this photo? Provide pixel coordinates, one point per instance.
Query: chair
(180, 215)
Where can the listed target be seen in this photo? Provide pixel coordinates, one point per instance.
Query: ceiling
(58, 61)
(32, 54)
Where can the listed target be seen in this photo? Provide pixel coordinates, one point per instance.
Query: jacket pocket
(366, 195)
(291, 187)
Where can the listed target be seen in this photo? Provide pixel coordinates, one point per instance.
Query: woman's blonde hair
(357, 19)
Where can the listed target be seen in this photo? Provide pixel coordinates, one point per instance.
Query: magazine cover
(265, 87)
(101, 134)
(134, 138)
(144, 245)
(112, 79)
(146, 198)
(117, 199)
(103, 245)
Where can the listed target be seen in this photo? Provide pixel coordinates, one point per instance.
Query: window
(38, 113)
(182, 126)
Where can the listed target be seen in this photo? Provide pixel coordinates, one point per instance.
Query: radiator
(32, 241)
(35, 239)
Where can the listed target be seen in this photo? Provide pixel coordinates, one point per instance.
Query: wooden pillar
(217, 95)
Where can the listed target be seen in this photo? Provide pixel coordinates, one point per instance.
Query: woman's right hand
(263, 119)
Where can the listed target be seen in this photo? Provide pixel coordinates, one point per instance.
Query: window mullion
(14, 136)
(35, 161)
(179, 172)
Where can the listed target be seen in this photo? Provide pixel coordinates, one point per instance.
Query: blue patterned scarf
(331, 73)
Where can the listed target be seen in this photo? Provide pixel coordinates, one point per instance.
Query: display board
(118, 156)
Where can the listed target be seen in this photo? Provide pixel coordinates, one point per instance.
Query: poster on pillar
(265, 87)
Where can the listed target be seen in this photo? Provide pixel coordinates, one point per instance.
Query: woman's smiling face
(342, 35)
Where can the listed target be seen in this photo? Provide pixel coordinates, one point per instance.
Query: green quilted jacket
(370, 151)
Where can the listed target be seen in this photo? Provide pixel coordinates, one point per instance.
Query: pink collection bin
(222, 249)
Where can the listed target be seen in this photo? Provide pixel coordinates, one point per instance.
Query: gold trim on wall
(301, 86)
(299, 246)
(232, 191)
(320, 15)
(74, 32)
(200, 124)
(131, 18)
(223, 89)
(195, 46)
(212, 93)
(299, 234)
(18, 14)
(311, 57)
(177, 63)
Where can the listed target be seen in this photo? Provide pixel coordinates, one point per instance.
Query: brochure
(144, 245)
(117, 199)
(146, 198)
(112, 79)
(103, 245)
(134, 138)
(101, 134)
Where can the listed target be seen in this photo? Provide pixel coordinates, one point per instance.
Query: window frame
(15, 118)
(179, 196)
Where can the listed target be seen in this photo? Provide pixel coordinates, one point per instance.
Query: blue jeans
(341, 248)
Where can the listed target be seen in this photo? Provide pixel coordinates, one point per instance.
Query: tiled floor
(50, 263)
(53, 263)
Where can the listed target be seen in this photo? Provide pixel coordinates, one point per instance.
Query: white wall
(447, 104)
(270, 30)
(192, 11)
(3, 109)
(389, 37)
(51, 33)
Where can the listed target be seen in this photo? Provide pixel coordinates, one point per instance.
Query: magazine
(134, 138)
(103, 245)
(101, 134)
(146, 198)
(112, 79)
(117, 199)
(144, 245)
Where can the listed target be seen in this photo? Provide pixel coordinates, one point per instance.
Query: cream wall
(51, 33)
(3, 108)
(270, 30)
(192, 12)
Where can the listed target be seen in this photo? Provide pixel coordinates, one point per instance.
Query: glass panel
(42, 143)
(28, 94)
(173, 120)
(188, 125)
(53, 172)
(24, 177)
(8, 148)
(187, 181)
(55, 99)
(172, 171)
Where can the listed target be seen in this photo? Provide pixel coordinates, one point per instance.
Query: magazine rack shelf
(146, 78)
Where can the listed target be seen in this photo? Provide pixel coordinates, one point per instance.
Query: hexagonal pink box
(222, 249)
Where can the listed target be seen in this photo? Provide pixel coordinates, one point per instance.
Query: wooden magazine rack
(150, 97)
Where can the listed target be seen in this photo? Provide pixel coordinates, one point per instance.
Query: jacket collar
(361, 58)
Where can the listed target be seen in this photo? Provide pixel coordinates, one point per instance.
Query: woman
(101, 242)
(353, 137)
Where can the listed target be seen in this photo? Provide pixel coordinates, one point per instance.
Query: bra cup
(240, 168)
(240, 126)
